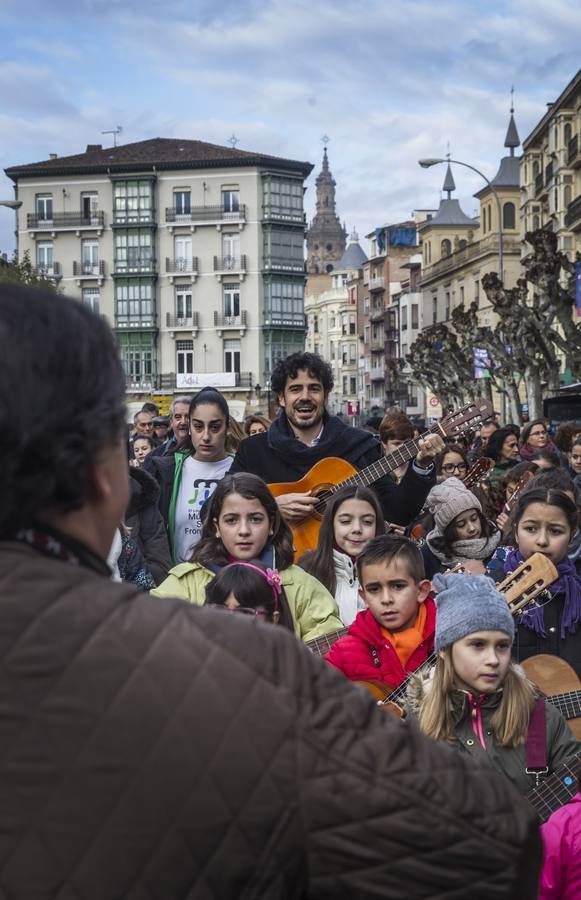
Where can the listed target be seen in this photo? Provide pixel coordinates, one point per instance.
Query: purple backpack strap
(536, 743)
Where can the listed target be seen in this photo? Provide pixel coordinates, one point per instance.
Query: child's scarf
(568, 584)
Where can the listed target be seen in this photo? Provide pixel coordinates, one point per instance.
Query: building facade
(326, 237)
(331, 314)
(551, 171)
(193, 252)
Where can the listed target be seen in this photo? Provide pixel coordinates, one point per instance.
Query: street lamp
(429, 162)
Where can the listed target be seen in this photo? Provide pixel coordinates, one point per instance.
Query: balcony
(230, 265)
(141, 383)
(573, 215)
(182, 265)
(391, 334)
(376, 284)
(84, 269)
(230, 323)
(66, 221)
(482, 248)
(573, 154)
(178, 323)
(134, 218)
(376, 314)
(144, 265)
(136, 323)
(283, 214)
(283, 319)
(49, 270)
(377, 342)
(377, 373)
(206, 215)
(284, 264)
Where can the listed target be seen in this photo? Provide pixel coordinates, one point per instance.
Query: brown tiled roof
(161, 153)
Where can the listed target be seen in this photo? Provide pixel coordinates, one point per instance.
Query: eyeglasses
(448, 468)
(245, 610)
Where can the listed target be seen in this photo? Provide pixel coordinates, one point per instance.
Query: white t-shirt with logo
(198, 482)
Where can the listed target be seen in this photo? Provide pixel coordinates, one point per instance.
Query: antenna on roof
(114, 132)
(233, 140)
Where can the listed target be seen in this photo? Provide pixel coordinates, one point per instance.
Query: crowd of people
(153, 748)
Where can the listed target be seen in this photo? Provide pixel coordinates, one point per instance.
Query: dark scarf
(53, 543)
(337, 437)
(568, 584)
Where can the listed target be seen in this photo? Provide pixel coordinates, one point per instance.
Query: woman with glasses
(452, 461)
(534, 437)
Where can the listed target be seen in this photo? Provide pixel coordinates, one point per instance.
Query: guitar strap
(536, 743)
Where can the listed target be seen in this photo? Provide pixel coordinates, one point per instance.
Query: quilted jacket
(364, 654)
(151, 750)
(312, 607)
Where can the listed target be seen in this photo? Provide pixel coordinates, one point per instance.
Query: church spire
(449, 183)
(326, 236)
(512, 139)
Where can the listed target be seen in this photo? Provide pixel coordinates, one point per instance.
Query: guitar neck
(321, 645)
(557, 789)
(390, 461)
(569, 703)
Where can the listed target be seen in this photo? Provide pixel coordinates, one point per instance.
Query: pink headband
(271, 576)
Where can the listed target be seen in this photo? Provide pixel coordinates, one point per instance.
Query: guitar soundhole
(324, 492)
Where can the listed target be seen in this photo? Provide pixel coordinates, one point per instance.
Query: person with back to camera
(395, 633)
(475, 698)
(152, 749)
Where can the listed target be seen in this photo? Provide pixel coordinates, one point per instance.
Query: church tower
(326, 237)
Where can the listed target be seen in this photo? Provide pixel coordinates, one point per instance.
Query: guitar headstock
(528, 581)
(478, 471)
(522, 483)
(469, 416)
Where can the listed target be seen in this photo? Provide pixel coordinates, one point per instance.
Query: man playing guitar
(305, 433)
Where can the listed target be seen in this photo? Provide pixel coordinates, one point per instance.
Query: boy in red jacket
(395, 634)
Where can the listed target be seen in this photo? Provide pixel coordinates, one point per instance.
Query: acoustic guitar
(556, 790)
(559, 683)
(329, 475)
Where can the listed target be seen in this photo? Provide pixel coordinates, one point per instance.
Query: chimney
(92, 147)
(53, 155)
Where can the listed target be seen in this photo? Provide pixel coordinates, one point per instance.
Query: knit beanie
(450, 498)
(468, 603)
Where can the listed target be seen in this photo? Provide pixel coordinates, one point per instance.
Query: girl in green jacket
(476, 698)
(242, 523)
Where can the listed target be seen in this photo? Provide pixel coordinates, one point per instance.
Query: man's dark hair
(290, 366)
(385, 549)
(149, 407)
(62, 400)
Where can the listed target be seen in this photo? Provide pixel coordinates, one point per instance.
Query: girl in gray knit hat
(475, 698)
(461, 532)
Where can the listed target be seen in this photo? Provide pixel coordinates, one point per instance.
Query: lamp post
(428, 163)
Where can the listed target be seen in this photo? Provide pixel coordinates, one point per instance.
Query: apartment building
(193, 252)
(408, 300)
(551, 171)
(331, 314)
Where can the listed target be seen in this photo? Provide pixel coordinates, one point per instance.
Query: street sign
(434, 401)
(353, 407)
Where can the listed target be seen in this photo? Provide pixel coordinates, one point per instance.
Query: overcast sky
(389, 81)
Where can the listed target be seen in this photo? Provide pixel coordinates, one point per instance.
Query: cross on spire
(233, 140)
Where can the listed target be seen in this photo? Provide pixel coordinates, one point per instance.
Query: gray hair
(183, 399)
